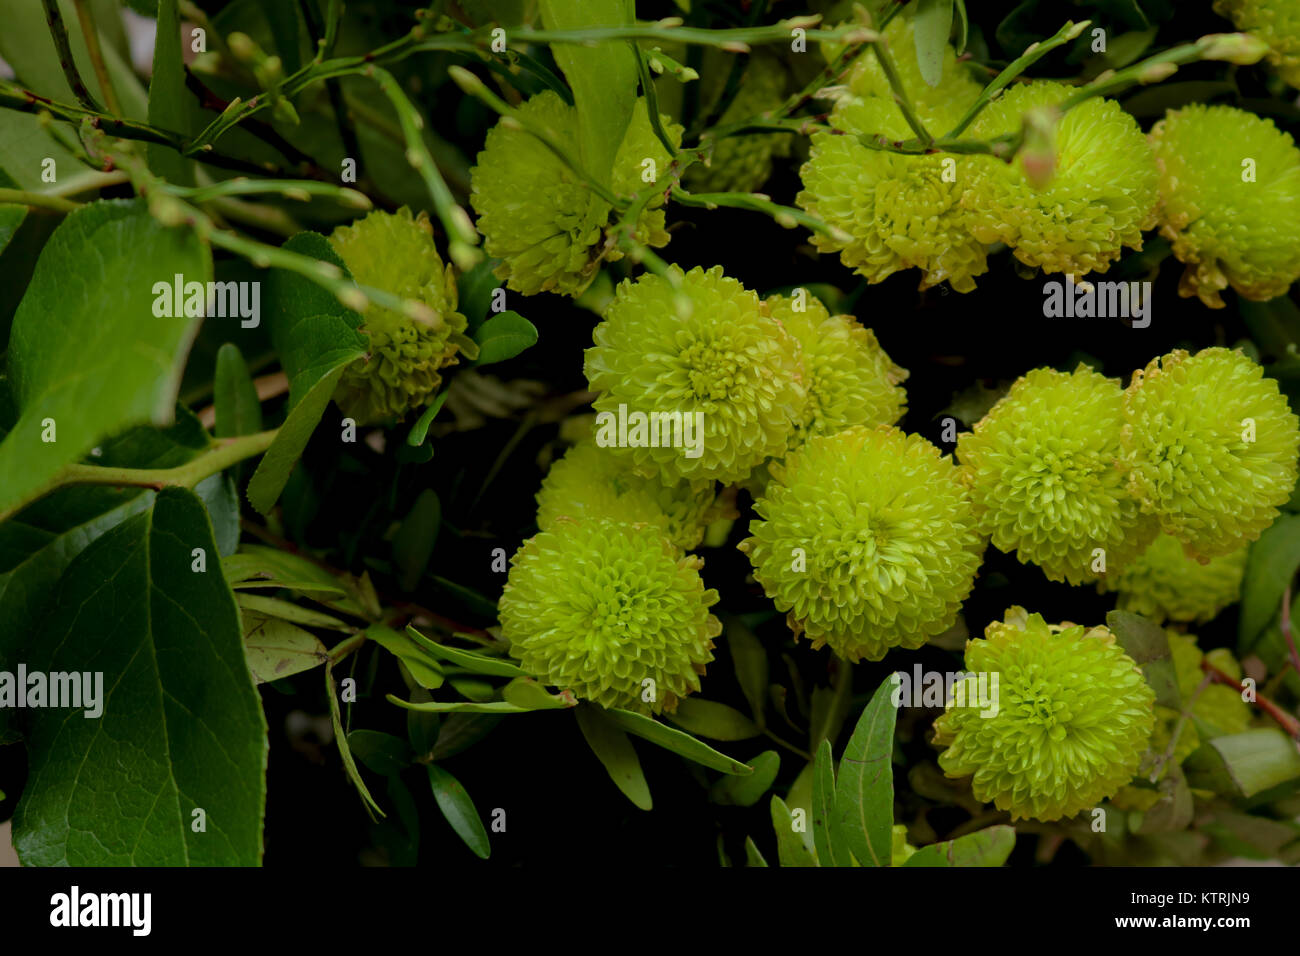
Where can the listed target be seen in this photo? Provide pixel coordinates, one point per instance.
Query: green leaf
(459, 810)
(615, 753)
(989, 847)
(90, 354)
(239, 411)
(1147, 644)
(288, 611)
(603, 78)
(747, 791)
(416, 535)
(707, 718)
(790, 846)
(275, 648)
(464, 707)
(930, 29)
(676, 741)
(181, 727)
(503, 336)
(1270, 566)
(258, 566)
(963, 26)
(826, 837)
(420, 430)
(864, 793)
(426, 672)
(282, 18)
(382, 753)
(478, 663)
(527, 692)
(752, 856)
(171, 105)
(1245, 764)
(750, 661)
(475, 289)
(316, 338)
(341, 741)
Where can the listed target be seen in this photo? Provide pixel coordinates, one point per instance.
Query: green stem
(785, 216)
(1032, 55)
(223, 453)
(775, 738)
(59, 32)
(651, 98)
(461, 236)
(38, 200)
(290, 188)
(901, 96)
(86, 17)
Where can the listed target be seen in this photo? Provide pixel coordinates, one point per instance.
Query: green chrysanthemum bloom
(1043, 468)
(893, 211)
(1218, 708)
(1101, 195)
(744, 163)
(1229, 230)
(850, 379)
(545, 225)
(1277, 23)
(600, 607)
(1211, 445)
(593, 482)
(395, 252)
(867, 539)
(722, 362)
(1165, 584)
(1073, 720)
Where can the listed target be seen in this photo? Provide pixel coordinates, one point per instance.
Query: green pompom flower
(721, 361)
(1073, 720)
(744, 163)
(1101, 182)
(1043, 469)
(1165, 584)
(867, 539)
(544, 223)
(594, 482)
(850, 379)
(1230, 201)
(1277, 23)
(601, 607)
(395, 252)
(894, 211)
(1211, 447)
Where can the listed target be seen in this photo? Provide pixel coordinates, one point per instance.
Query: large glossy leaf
(86, 349)
(864, 792)
(989, 847)
(181, 728)
(459, 810)
(316, 338)
(616, 754)
(603, 77)
(676, 741)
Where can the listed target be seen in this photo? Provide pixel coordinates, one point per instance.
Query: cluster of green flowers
(1277, 23)
(1077, 475)
(1086, 184)
(781, 380)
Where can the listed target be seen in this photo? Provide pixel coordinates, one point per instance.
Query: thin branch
(1288, 723)
(59, 32)
(36, 200)
(86, 17)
